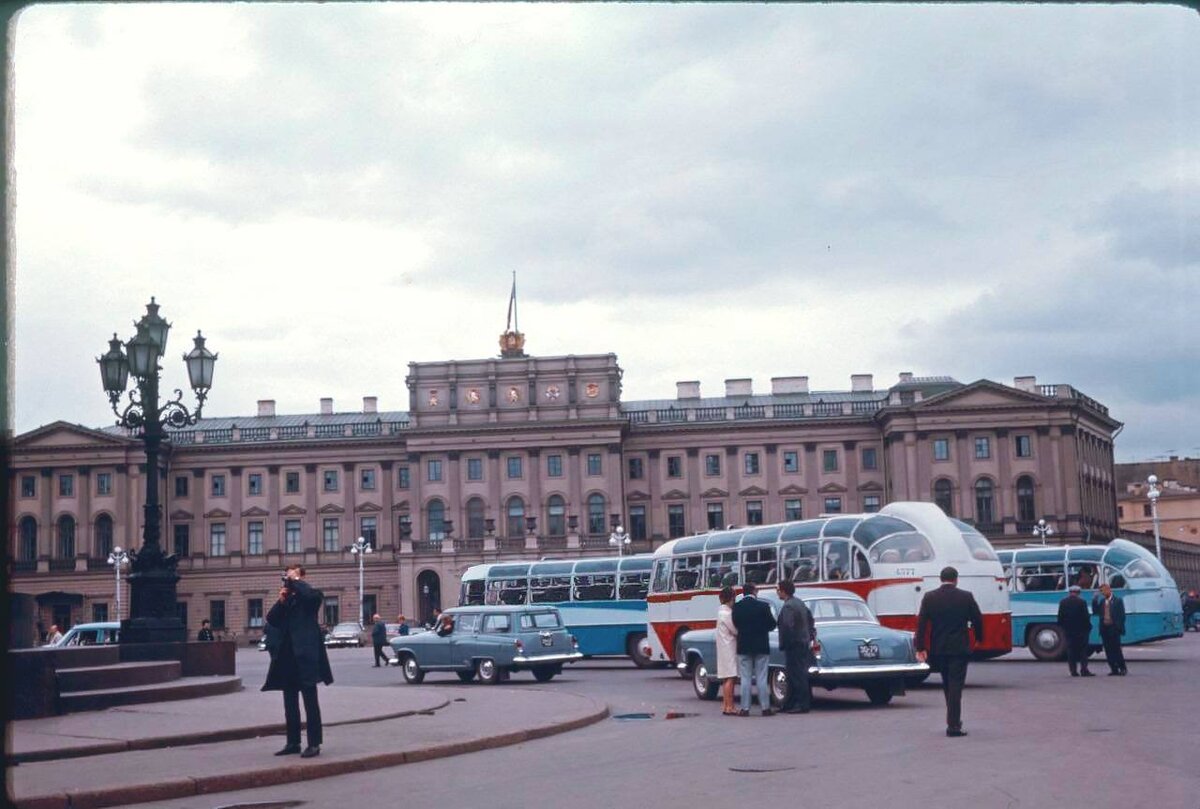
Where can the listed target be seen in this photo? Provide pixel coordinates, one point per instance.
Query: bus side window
(661, 580)
(474, 593)
(594, 586)
(759, 566)
(1082, 575)
(721, 568)
(634, 585)
(801, 562)
(837, 560)
(1112, 577)
(861, 568)
(1140, 569)
(687, 572)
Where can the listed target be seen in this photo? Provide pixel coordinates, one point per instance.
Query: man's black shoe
(290, 750)
(312, 751)
(796, 710)
(768, 712)
(1074, 674)
(1114, 673)
(1087, 674)
(954, 734)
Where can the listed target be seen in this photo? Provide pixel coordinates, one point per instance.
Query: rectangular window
(434, 469)
(366, 480)
(66, 485)
(871, 503)
(216, 613)
(829, 460)
(182, 541)
(291, 536)
(593, 463)
(104, 483)
(254, 484)
(554, 466)
(291, 483)
(716, 516)
(674, 466)
(676, 527)
(1120, 512)
(181, 485)
(712, 465)
(329, 480)
(791, 461)
(941, 449)
(331, 612)
(793, 510)
(983, 448)
(754, 512)
(367, 529)
(254, 538)
(216, 539)
(1146, 511)
(636, 470)
(99, 613)
(474, 468)
(218, 485)
(870, 458)
(329, 535)
(402, 477)
(28, 486)
(1024, 446)
(751, 463)
(833, 505)
(512, 465)
(254, 613)
(637, 522)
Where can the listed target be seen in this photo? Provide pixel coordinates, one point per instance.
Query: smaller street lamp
(116, 558)
(619, 540)
(1152, 495)
(1042, 530)
(360, 548)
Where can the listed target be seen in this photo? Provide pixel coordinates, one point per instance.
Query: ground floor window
(216, 613)
(99, 612)
(331, 612)
(254, 613)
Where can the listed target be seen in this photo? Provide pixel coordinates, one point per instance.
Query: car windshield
(346, 628)
(540, 620)
(827, 610)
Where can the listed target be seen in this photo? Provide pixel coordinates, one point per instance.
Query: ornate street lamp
(1152, 495)
(619, 540)
(361, 548)
(116, 558)
(153, 616)
(1042, 530)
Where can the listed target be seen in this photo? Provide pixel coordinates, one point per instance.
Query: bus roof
(559, 567)
(1119, 553)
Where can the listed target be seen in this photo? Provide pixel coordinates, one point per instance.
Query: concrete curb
(203, 737)
(206, 785)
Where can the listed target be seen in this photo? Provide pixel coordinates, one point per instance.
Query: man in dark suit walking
(1110, 609)
(754, 622)
(379, 640)
(1076, 621)
(796, 633)
(300, 661)
(944, 623)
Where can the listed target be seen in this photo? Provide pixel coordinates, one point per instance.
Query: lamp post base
(152, 630)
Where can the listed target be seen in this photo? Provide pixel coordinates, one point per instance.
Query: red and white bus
(891, 558)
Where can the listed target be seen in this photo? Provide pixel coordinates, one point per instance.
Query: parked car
(91, 634)
(490, 642)
(852, 650)
(347, 633)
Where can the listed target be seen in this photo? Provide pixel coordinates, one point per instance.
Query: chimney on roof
(370, 404)
(789, 384)
(326, 406)
(687, 390)
(266, 407)
(1026, 383)
(906, 376)
(861, 382)
(739, 387)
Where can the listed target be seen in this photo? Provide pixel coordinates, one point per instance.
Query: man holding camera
(300, 661)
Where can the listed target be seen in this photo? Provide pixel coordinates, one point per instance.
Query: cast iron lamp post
(116, 558)
(153, 616)
(1042, 530)
(1152, 495)
(361, 548)
(619, 540)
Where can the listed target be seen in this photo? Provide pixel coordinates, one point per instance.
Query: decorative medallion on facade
(592, 390)
(473, 396)
(514, 394)
(552, 393)
(434, 401)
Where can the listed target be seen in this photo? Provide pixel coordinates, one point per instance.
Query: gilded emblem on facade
(552, 393)
(434, 401)
(514, 394)
(473, 396)
(592, 390)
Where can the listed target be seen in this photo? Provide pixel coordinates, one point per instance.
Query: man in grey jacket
(796, 634)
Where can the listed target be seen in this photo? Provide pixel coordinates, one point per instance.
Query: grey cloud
(1157, 225)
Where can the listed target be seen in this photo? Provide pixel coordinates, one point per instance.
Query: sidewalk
(161, 751)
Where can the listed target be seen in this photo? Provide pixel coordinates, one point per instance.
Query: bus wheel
(705, 686)
(633, 647)
(1046, 642)
(679, 657)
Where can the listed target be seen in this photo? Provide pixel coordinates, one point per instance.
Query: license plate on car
(868, 651)
(547, 640)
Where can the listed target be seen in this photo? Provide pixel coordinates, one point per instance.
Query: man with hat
(1076, 622)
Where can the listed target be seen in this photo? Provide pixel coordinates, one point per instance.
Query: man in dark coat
(205, 633)
(300, 662)
(944, 623)
(378, 639)
(1076, 622)
(796, 633)
(754, 622)
(1110, 609)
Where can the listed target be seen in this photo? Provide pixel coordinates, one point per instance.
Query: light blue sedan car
(853, 650)
(490, 642)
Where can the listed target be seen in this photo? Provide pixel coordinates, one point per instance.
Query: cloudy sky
(709, 191)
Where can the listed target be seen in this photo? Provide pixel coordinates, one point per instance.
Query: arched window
(66, 537)
(104, 535)
(556, 512)
(27, 551)
(596, 514)
(985, 513)
(475, 518)
(514, 523)
(435, 518)
(943, 496)
(1026, 510)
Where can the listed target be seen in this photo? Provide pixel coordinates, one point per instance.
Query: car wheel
(706, 687)
(781, 689)
(489, 672)
(1047, 642)
(633, 647)
(679, 656)
(412, 672)
(544, 674)
(879, 693)
(466, 676)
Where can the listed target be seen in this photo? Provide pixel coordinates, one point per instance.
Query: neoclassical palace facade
(522, 457)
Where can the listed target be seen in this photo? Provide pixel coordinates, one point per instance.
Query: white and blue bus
(602, 600)
(1038, 578)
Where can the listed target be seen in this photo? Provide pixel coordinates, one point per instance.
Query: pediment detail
(870, 486)
(714, 492)
(59, 434)
(832, 488)
(368, 506)
(292, 511)
(637, 497)
(256, 511)
(401, 506)
(753, 491)
(331, 508)
(217, 514)
(793, 489)
(979, 394)
(179, 515)
(675, 494)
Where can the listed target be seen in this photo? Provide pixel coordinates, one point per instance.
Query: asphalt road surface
(1038, 738)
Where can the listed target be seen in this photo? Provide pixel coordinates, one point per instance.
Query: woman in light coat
(726, 651)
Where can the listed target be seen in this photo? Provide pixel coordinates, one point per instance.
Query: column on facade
(850, 459)
(198, 537)
(811, 477)
(416, 513)
(695, 489)
(271, 524)
(962, 458)
(654, 484)
(454, 508)
(120, 515)
(311, 487)
(233, 531)
(349, 506)
(495, 507)
(733, 474)
(536, 507)
(387, 533)
(1005, 486)
(575, 487)
(1058, 463)
(614, 483)
(773, 507)
(46, 506)
(84, 535)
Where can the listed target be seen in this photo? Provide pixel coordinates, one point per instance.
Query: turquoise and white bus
(1038, 578)
(602, 600)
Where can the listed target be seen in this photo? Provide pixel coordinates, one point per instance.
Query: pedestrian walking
(1076, 622)
(55, 635)
(205, 633)
(796, 634)
(754, 621)
(404, 628)
(300, 662)
(1110, 608)
(726, 650)
(947, 617)
(1191, 606)
(378, 639)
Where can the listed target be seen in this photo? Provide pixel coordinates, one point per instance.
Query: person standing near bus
(944, 624)
(1076, 621)
(796, 632)
(726, 650)
(754, 621)
(1110, 609)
